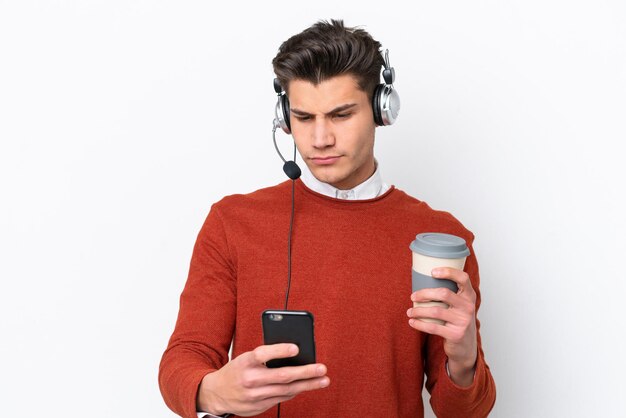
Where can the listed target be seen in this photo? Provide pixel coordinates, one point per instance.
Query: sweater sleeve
(448, 399)
(206, 319)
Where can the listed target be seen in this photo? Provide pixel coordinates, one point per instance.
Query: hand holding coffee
(432, 250)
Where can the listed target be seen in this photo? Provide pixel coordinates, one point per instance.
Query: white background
(121, 122)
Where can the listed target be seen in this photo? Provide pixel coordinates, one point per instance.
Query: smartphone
(290, 327)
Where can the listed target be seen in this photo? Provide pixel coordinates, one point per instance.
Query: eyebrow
(338, 109)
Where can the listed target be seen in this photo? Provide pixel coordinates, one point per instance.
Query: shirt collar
(369, 189)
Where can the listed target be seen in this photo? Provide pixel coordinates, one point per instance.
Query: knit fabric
(351, 268)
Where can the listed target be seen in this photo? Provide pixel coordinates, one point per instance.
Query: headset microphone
(292, 170)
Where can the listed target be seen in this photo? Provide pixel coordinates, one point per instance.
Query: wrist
(461, 373)
(461, 365)
(206, 399)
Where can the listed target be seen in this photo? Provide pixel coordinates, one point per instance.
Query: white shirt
(369, 189)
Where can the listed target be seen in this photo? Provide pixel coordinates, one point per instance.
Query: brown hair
(329, 49)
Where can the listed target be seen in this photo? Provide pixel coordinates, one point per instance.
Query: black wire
(293, 207)
(293, 186)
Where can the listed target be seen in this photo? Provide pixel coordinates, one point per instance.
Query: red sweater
(351, 268)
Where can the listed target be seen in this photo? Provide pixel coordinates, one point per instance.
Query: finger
(455, 325)
(460, 277)
(454, 318)
(432, 328)
(440, 294)
(284, 375)
(432, 312)
(265, 353)
(290, 390)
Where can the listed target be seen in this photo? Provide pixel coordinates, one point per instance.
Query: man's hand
(459, 331)
(245, 387)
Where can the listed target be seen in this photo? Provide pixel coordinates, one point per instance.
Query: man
(351, 268)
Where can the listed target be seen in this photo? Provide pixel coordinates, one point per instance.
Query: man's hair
(326, 50)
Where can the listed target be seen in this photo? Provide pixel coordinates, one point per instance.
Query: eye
(343, 115)
(303, 118)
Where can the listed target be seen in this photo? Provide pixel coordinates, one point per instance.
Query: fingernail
(324, 383)
(408, 312)
(293, 349)
(321, 370)
(435, 272)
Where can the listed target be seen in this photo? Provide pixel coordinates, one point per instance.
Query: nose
(323, 135)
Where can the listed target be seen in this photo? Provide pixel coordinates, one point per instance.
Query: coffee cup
(432, 250)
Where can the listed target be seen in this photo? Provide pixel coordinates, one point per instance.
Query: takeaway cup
(432, 250)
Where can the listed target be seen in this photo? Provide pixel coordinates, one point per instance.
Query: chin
(327, 176)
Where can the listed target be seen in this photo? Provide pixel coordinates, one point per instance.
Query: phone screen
(290, 327)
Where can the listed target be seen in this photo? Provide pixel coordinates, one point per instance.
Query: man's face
(333, 127)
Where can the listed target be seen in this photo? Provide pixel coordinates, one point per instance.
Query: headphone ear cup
(386, 105)
(282, 113)
(376, 100)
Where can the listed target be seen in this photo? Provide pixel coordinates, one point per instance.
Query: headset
(385, 101)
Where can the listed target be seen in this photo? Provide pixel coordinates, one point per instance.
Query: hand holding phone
(245, 386)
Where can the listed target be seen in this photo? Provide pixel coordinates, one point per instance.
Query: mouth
(325, 160)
